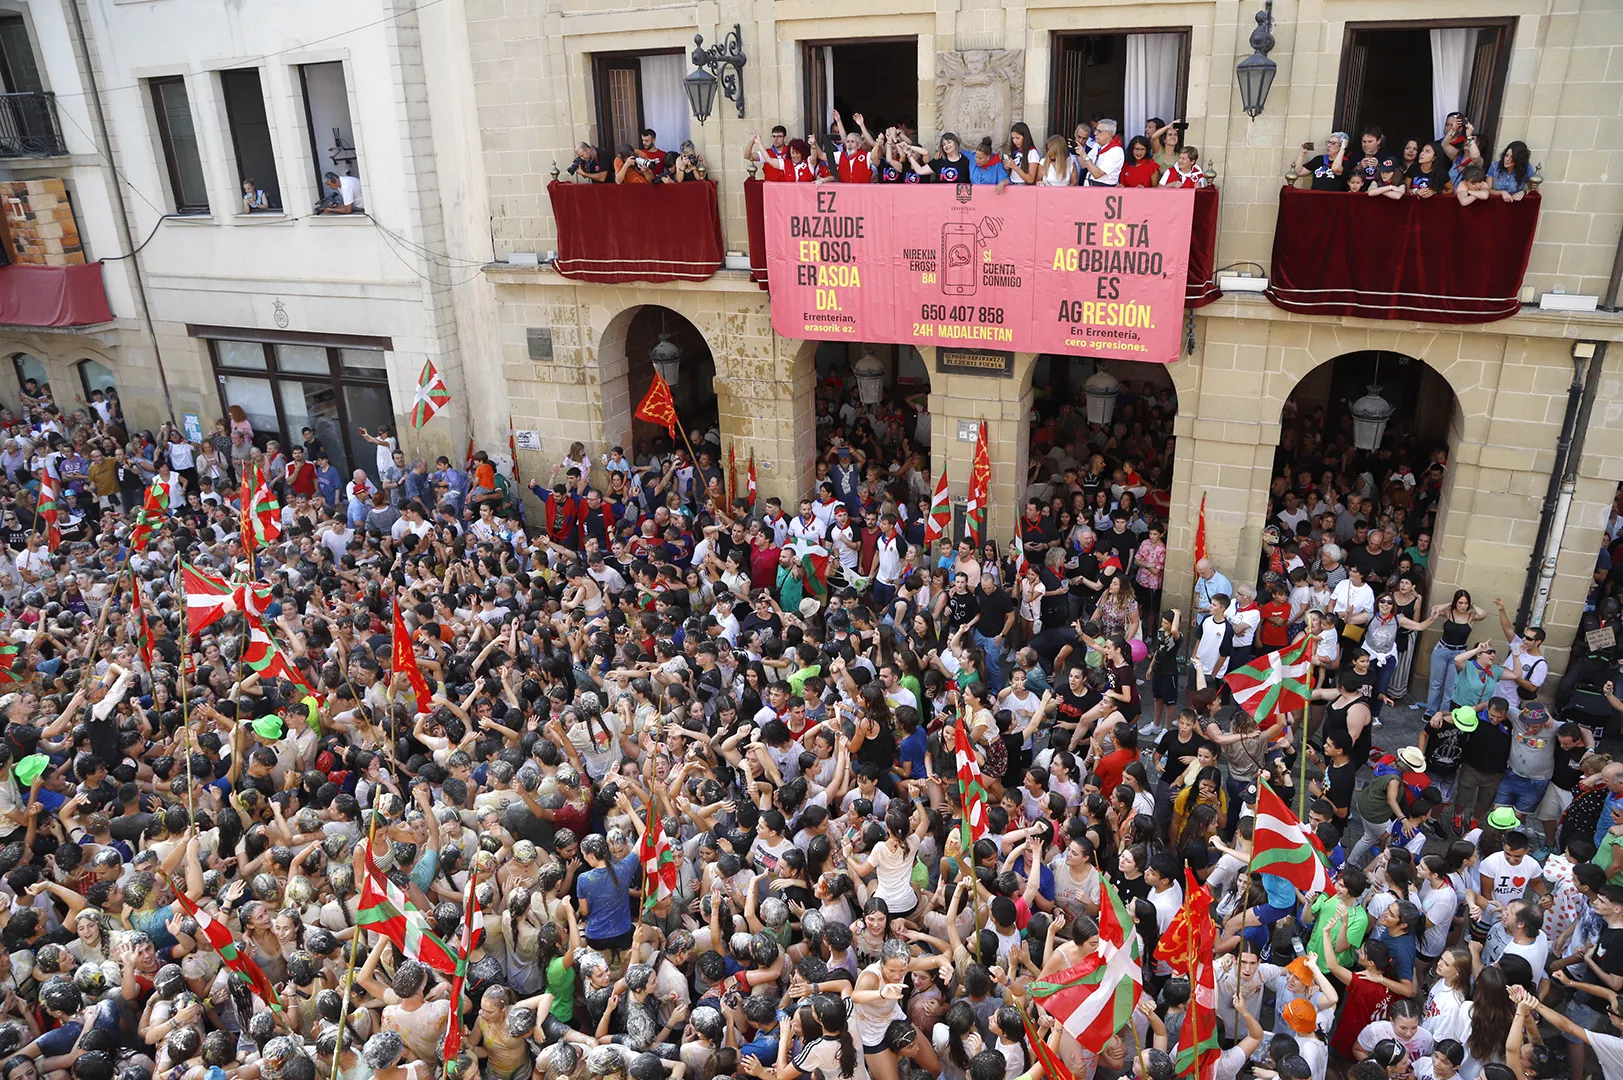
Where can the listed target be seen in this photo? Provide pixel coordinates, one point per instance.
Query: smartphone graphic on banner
(960, 259)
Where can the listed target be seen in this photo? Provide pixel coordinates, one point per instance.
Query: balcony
(28, 126)
(58, 297)
(1201, 283)
(1414, 260)
(612, 233)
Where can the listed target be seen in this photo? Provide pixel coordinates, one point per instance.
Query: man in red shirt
(650, 158)
(853, 162)
(301, 474)
(1273, 633)
(778, 151)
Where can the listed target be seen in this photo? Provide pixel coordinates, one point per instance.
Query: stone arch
(622, 371)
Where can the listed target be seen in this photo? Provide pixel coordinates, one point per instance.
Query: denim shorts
(1521, 793)
(1584, 1017)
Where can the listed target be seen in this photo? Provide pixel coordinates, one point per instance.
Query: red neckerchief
(1115, 140)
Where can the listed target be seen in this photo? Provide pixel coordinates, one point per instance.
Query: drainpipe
(100, 117)
(1563, 478)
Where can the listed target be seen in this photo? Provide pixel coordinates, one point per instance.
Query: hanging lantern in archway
(1101, 389)
(870, 373)
(667, 359)
(1370, 414)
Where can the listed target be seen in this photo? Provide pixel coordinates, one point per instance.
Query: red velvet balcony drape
(53, 296)
(1424, 260)
(755, 218)
(1202, 288)
(611, 233)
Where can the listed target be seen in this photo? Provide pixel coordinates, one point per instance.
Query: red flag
(658, 407)
(980, 489)
(1188, 947)
(752, 480)
(732, 474)
(401, 658)
(512, 447)
(469, 465)
(935, 526)
(143, 632)
(1200, 532)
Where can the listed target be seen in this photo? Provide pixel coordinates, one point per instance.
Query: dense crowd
(1458, 162)
(1094, 153)
(653, 650)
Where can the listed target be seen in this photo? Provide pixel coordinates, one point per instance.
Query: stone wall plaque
(987, 363)
(539, 339)
(979, 92)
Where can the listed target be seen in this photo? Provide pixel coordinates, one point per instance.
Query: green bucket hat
(29, 768)
(1465, 718)
(1503, 818)
(268, 727)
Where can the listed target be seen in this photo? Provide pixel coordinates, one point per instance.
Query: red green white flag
(264, 657)
(658, 861)
(432, 395)
(472, 919)
(143, 632)
(266, 515)
(1095, 999)
(154, 505)
(971, 788)
(8, 663)
(1280, 846)
(814, 561)
(1275, 683)
(385, 910)
(46, 507)
(218, 935)
(935, 526)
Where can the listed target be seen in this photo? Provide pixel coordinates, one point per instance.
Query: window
(93, 376)
(326, 111)
(28, 123)
(180, 150)
(641, 90)
(878, 78)
(1405, 78)
(250, 133)
(1129, 78)
(29, 367)
(292, 383)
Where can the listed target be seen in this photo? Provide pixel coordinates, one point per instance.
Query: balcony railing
(610, 233)
(1420, 260)
(28, 126)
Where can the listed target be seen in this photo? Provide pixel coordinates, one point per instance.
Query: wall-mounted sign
(988, 362)
(527, 440)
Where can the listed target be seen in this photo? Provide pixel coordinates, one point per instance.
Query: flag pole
(354, 950)
(185, 708)
(1307, 713)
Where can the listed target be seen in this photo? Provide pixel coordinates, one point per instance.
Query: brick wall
(38, 224)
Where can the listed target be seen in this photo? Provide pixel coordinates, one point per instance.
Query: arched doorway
(1135, 438)
(692, 389)
(1377, 491)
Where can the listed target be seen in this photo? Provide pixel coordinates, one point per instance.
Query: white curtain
(1152, 80)
(828, 84)
(664, 102)
(1450, 69)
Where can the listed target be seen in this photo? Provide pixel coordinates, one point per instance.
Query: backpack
(1386, 767)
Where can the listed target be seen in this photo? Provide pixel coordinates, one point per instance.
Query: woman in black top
(1340, 777)
(1178, 749)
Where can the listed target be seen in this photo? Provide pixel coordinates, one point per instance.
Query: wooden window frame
(808, 107)
(166, 138)
(602, 63)
(274, 190)
(1056, 126)
(1487, 124)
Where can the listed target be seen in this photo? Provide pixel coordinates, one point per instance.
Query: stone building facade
(1562, 70)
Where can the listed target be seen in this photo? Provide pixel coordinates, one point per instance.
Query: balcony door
(1129, 78)
(1405, 78)
(877, 77)
(642, 90)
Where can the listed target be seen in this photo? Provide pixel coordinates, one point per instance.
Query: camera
(574, 166)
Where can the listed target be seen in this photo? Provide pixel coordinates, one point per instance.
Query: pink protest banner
(1085, 271)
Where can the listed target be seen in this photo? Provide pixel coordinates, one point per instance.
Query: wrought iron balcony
(28, 126)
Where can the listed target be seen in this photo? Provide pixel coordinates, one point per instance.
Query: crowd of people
(1095, 153)
(652, 650)
(1456, 163)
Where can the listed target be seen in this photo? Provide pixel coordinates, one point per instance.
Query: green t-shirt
(561, 985)
(797, 679)
(1416, 556)
(1325, 910)
(1610, 858)
(790, 590)
(911, 683)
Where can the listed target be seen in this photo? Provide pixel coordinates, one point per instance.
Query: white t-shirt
(1445, 1014)
(1534, 669)
(1245, 626)
(1609, 1052)
(349, 187)
(1110, 162)
(1031, 158)
(1420, 1046)
(385, 454)
(1350, 599)
(1438, 906)
(1537, 953)
(1207, 649)
(1510, 882)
